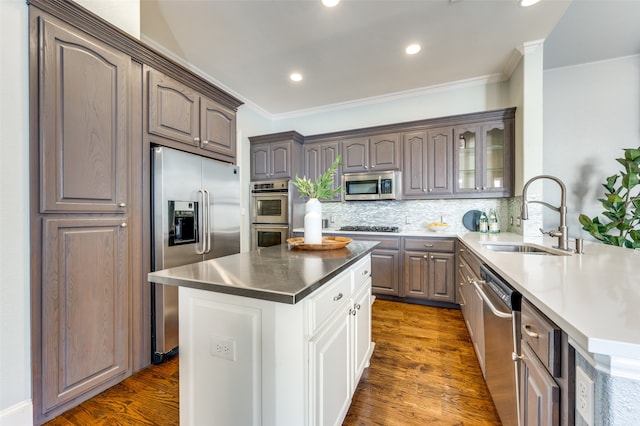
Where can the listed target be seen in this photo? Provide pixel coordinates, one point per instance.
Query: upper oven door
(270, 208)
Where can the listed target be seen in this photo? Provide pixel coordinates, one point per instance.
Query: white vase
(313, 222)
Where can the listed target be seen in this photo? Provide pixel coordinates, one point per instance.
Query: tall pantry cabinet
(90, 142)
(81, 207)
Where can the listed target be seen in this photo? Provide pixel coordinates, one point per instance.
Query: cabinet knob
(365, 272)
(516, 357)
(123, 225)
(484, 187)
(356, 306)
(353, 312)
(196, 139)
(477, 188)
(373, 165)
(425, 256)
(366, 167)
(122, 205)
(430, 189)
(424, 190)
(204, 142)
(337, 297)
(461, 266)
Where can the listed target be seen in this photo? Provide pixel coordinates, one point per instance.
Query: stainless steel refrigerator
(196, 216)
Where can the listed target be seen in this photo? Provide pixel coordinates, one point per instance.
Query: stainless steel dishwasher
(501, 317)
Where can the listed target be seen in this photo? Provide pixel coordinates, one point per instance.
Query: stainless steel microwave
(372, 186)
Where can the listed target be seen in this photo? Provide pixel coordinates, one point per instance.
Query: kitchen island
(275, 336)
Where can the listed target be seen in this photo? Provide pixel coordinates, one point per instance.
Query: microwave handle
(379, 186)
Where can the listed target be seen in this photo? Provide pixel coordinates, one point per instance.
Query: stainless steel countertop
(279, 273)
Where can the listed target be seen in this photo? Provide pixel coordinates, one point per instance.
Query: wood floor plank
(423, 371)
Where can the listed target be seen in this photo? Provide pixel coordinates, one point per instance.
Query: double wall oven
(272, 212)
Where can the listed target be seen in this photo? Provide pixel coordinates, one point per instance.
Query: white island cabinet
(252, 360)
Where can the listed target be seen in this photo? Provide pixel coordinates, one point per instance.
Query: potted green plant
(622, 206)
(314, 191)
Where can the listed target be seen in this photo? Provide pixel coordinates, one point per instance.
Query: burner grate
(360, 228)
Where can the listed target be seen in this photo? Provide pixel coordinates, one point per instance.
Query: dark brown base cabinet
(547, 371)
(385, 265)
(429, 269)
(89, 197)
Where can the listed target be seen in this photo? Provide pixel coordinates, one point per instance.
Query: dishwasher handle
(491, 306)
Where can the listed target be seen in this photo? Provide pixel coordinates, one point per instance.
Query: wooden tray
(328, 243)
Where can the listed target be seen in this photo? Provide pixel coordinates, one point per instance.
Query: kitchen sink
(524, 249)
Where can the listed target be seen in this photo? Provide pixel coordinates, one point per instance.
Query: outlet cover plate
(584, 396)
(222, 347)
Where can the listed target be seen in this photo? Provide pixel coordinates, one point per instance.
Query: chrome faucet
(562, 233)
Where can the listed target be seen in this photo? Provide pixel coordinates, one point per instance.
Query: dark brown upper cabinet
(484, 159)
(428, 163)
(276, 156)
(461, 156)
(318, 157)
(83, 122)
(179, 114)
(370, 154)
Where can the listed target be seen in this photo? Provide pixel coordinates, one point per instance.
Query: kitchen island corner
(273, 336)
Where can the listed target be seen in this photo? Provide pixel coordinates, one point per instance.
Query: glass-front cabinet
(483, 159)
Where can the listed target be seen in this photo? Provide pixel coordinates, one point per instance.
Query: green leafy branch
(622, 206)
(322, 187)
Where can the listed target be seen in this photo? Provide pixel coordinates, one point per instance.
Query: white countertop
(594, 296)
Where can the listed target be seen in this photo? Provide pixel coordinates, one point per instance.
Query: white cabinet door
(361, 313)
(330, 368)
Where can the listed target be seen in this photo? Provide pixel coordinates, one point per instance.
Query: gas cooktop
(369, 228)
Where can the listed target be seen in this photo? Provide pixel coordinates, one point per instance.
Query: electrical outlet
(222, 348)
(407, 220)
(584, 396)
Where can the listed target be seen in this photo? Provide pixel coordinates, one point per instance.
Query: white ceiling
(355, 51)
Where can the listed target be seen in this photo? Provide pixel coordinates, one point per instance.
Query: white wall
(448, 100)
(591, 112)
(15, 339)
(15, 361)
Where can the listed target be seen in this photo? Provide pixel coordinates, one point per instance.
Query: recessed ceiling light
(295, 76)
(412, 49)
(527, 3)
(330, 3)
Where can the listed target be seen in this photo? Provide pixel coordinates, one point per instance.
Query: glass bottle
(483, 223)
(494, 227)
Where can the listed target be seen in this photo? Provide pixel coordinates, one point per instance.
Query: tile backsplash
(413, 215)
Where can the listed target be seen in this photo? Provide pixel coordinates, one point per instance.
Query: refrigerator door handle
(203, 228)
(208, 230)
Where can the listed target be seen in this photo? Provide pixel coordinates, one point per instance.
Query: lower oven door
(263, 235)
(500, 371)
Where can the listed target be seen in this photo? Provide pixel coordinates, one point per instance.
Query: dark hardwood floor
(423, 371)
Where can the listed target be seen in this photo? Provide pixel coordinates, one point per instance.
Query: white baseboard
(20, 414)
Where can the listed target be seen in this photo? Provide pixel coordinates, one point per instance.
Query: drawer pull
(532, 334)
(338, 297)
(428, 245)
